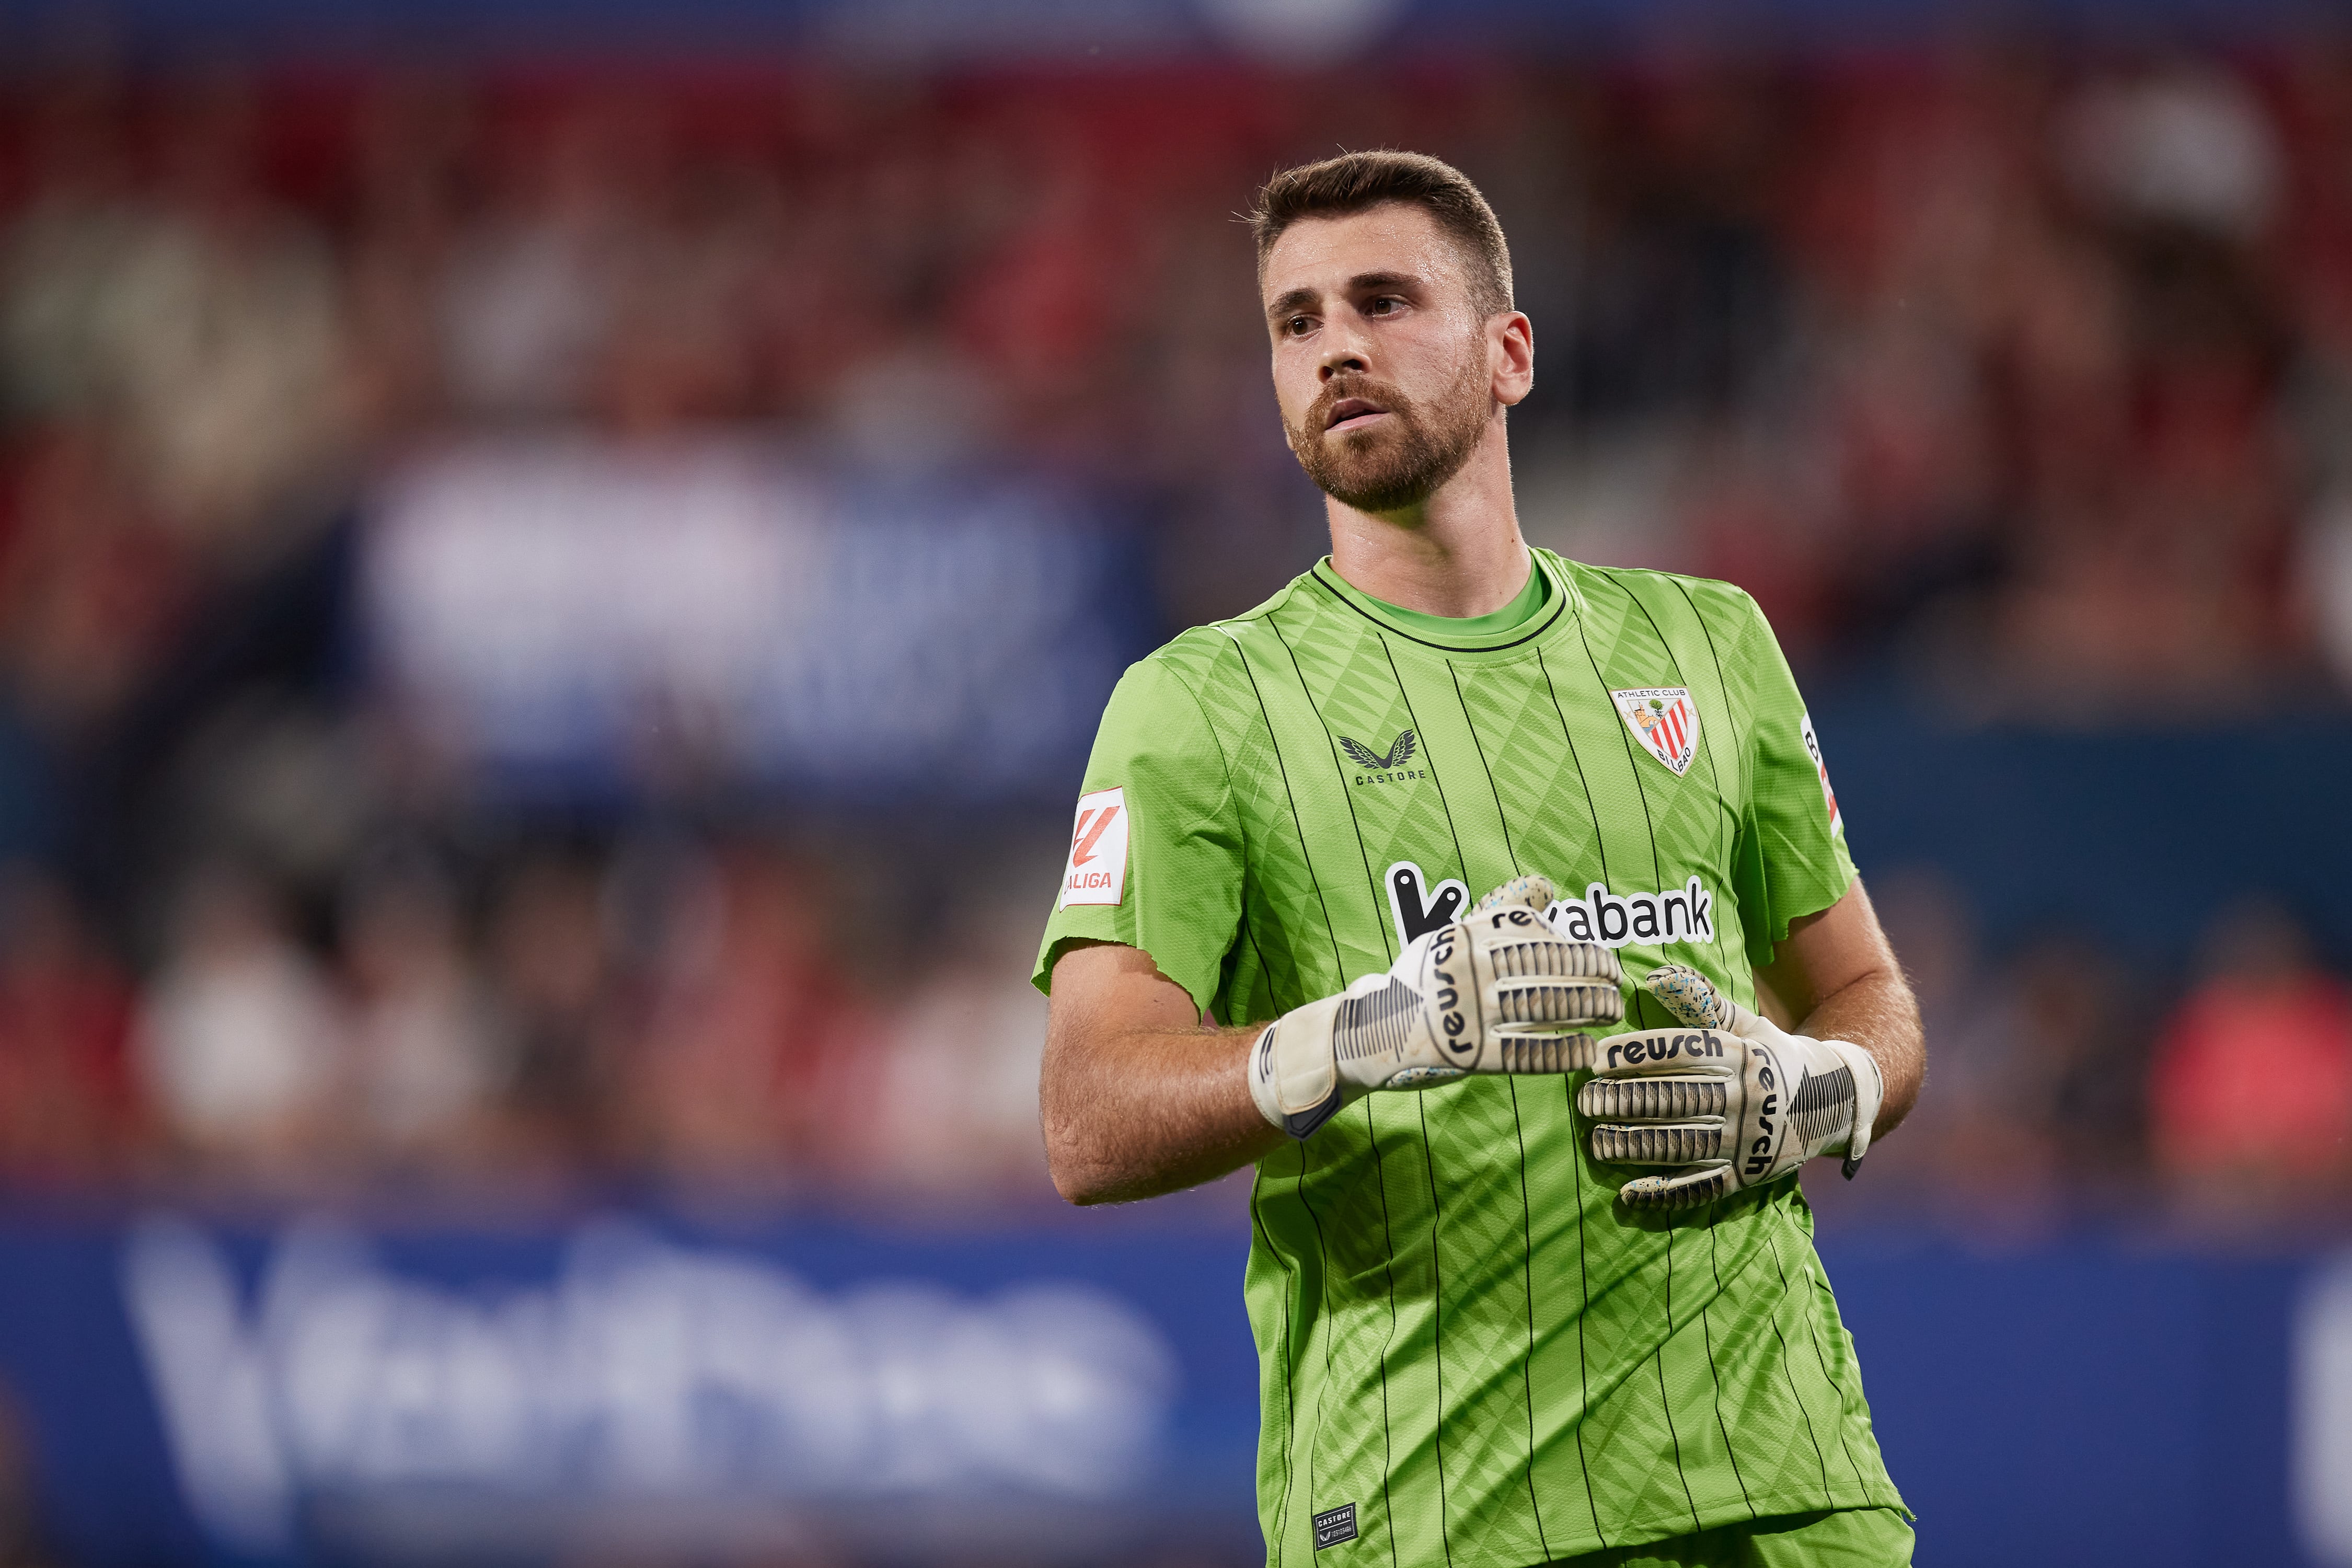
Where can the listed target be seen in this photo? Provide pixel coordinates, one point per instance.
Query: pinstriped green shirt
(1470, 1354)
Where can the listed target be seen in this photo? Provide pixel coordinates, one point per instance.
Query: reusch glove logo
(1630, 1050)
(1767, 1142)
(1452, 1021)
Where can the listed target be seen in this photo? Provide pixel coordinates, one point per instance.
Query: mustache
(1317, 417)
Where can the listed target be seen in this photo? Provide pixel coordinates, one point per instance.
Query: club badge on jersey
(1664, 720)
(1095, 872)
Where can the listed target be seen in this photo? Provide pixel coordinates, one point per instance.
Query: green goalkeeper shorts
(1849, 1538)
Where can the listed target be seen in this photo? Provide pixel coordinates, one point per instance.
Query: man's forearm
(1878, 1013)
(1137, 1114)
(1139, 1094)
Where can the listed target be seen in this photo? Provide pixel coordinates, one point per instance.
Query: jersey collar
(1563, 605)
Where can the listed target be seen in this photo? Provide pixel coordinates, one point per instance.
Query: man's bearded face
(1398, 461)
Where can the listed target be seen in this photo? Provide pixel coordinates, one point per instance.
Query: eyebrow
(1361, 283)
(1290, 303)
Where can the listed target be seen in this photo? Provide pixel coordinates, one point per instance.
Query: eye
(1385, 305)
(1295, 325)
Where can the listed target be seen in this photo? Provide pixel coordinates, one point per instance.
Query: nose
(1343, 353)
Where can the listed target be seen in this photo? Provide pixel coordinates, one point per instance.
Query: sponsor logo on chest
(1610, 920)
(1684, 914)
(1664, 720)
(1416, 906)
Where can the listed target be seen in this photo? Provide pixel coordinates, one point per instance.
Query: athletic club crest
(1664, 720)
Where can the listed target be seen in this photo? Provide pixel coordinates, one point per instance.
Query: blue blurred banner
(315, 1393)
(2104, 1404)
(570, 618)
(2135, 839)
(1080, 1390)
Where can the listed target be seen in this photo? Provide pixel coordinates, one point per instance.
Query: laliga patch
(1813, 750)
(1096, 872)
(1664, 720)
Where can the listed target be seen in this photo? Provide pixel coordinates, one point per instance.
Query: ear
(1511, 356)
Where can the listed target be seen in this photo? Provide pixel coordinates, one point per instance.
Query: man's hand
(1496, 992)
(1732, 1100)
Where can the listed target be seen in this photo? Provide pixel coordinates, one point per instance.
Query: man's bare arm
(1838, 979)
(1139, 1095)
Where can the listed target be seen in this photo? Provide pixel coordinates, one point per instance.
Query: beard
(1402, 464)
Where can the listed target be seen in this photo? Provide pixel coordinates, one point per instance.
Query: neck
(1456, 554)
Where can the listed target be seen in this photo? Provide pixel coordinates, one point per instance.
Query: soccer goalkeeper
(1529, 1279)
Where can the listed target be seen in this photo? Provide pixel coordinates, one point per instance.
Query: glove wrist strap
(1869, 1094)
(1292, 1077)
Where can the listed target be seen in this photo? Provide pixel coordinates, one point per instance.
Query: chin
(1369, 471)
(1366, 438)
(1358, 456)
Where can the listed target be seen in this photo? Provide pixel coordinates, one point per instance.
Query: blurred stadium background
(558, 564)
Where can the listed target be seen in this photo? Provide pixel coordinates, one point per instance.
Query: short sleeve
(1155, 853)
(1792, 859)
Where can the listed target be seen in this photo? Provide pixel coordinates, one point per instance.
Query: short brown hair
(1357, 182)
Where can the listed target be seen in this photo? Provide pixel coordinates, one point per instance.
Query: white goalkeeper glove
(1733, 1099)
(1498, 991)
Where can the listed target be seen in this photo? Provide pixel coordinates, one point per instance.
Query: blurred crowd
(668, 1014)
(2066, 1083)
(2030, 379)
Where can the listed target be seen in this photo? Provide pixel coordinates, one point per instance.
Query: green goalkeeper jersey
(1470, 1354)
